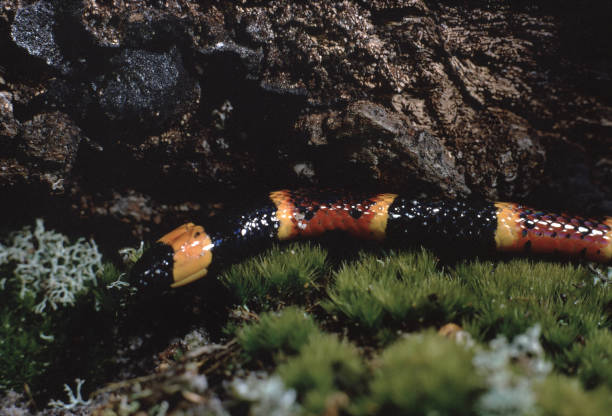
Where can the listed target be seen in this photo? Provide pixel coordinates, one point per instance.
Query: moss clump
(36, 345)
(54, 297)
(24, 338)
(281, 273)
(593, 359)
(561, 396)
(403, 288)
(510, 297)
(285, 331)
(325, 367)
(48, 285)
(423, 374)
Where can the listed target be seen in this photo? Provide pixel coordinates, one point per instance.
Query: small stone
(146, 87)
(51, 138)
(33, 30)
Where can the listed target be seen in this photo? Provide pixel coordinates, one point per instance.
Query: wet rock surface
(163, 104)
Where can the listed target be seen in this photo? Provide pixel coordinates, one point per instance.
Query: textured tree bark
(139, 111)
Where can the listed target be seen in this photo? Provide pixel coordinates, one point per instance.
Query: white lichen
(13, 404)
(45, 337)
(195, 339)
(73, 400)
(160, 409)
(119, 283)
(127, 407)
(222, 115)
(194, 381)
(268, 395)
(601, 276)
(130, 255)
(49, 268)
(511, 393)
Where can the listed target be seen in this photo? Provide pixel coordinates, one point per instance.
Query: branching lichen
(49, 268)
(73, 400)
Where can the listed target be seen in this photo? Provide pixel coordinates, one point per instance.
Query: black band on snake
(187, 253)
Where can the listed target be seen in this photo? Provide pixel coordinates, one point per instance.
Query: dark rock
(492, 98)
(51, 138)
(147, 88)
(34, 30)
(143, 24)
(44, 152)
(8, 124)
(154, 31)
(257, 29)
(247, 62)
(384, 148)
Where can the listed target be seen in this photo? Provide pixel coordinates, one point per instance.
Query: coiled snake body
(187, 253)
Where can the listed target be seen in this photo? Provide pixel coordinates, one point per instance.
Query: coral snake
(187, 253)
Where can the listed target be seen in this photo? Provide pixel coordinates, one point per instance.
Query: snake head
(178, 258)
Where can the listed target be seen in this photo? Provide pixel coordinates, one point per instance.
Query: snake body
(187, 253)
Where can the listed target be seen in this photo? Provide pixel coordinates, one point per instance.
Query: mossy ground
(359, 336)
(388, 359)
(35, 347)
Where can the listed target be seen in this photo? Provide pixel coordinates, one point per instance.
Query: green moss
(22, 350)
(561, 396)
(36, 346)
(111, 293)
(593, 359)
(325, 367)
(285, 331)
(404, 292)
(423, 374)
(50, 286)
(512, 296)
(280, 273)
(401, 289)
